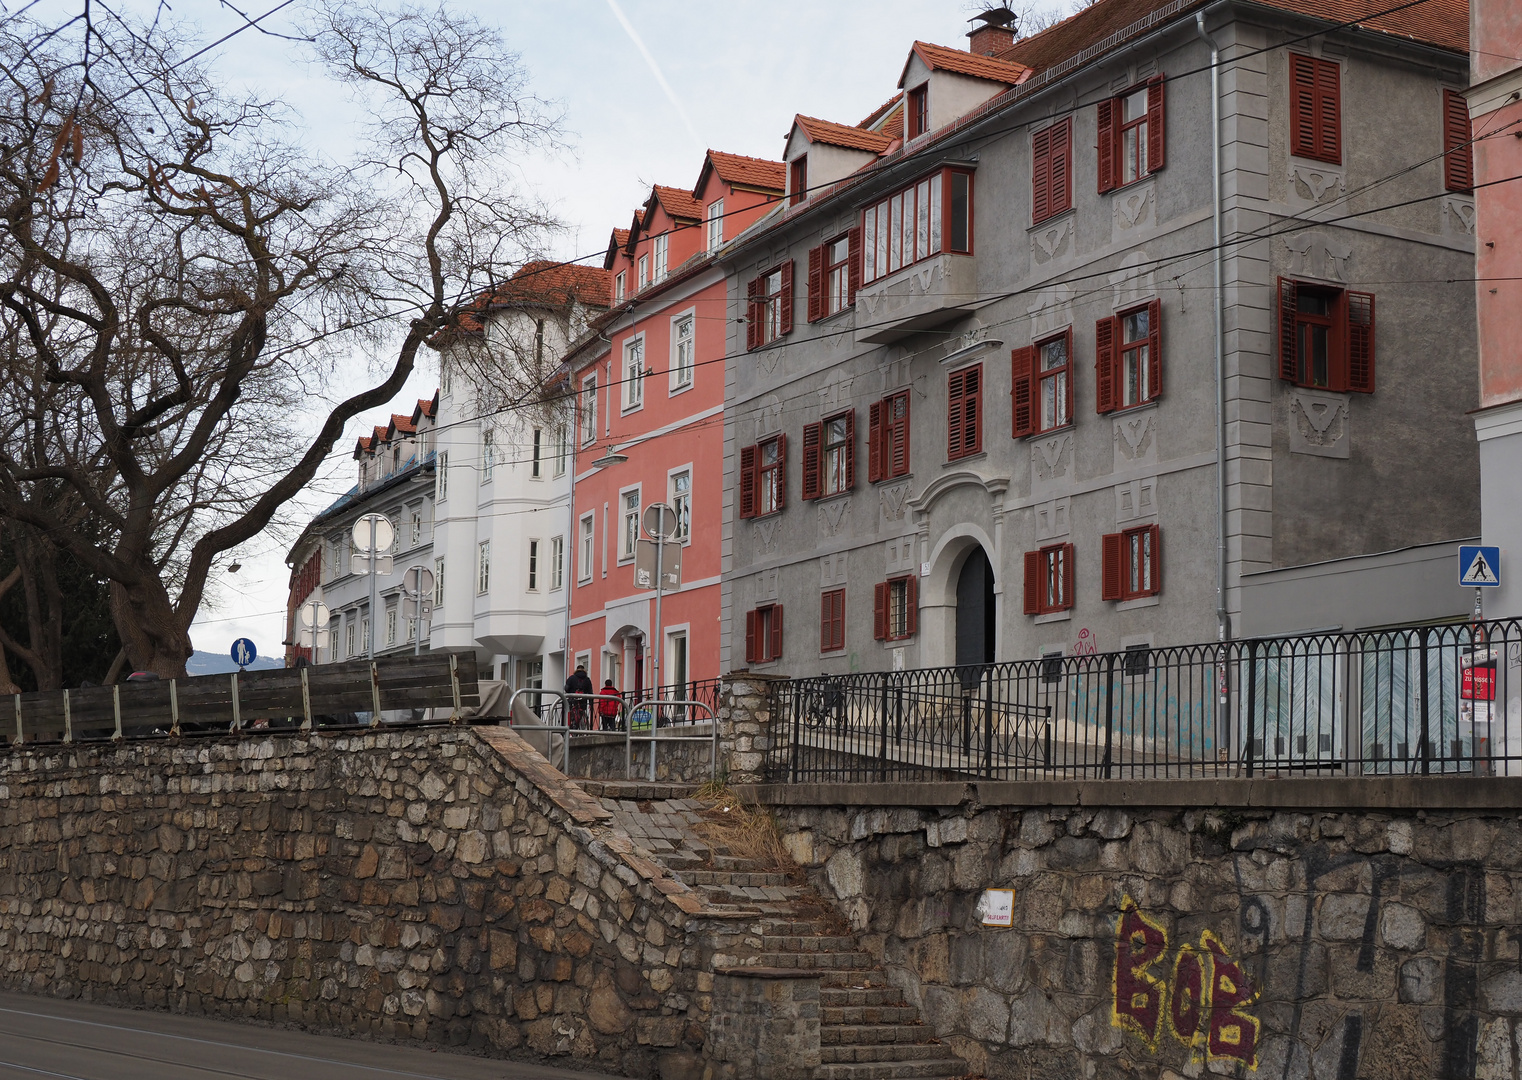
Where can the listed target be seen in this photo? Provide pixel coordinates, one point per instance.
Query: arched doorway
(975, 617)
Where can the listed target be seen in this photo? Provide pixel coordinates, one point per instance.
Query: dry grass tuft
(744, 830)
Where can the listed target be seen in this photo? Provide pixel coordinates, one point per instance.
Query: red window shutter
(972, 405)
(826, 620)
(1329, 111)
(1302, 105)
(1104, 364)
(776, 641)
(954, 394)
(1072, 368)
(753, 314)
(899, 465)
(1041, 168)
(1113, 549)
(911, 605)
(1022, 391)
(853, 264)
(781, 471)
(1156, 140)
(880, 611)
(1109, 138)
(850, 449)
(1458, 151)
(750, 637)
(1157, 558)
(785, 320)
(1360, 339)
(875, 442)
(1061, 194)
(1155, 349)
(1033, 589)
(1289, 368)
(816, 284)
(1068, 558)
(812, 433)
(747, 481)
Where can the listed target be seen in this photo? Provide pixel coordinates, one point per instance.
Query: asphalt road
(43, 1037)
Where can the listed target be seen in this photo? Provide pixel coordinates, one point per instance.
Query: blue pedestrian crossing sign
(1479, 567)
(244, 653)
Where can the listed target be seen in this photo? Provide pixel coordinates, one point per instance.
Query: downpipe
(1223, 624)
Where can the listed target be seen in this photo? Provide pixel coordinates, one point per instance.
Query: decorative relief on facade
(1318, 255)
(1135, 438)
(905, 284)
(1314, 184)
(767, 362)
(1050, 310)
(1135, 206)
(893, 499)
(834, 515)
(898, 555)
(1458, 215)
(768, 417)
(1052, 241)
(1136, 500)
(1053, 519)
(1051, 460)
(1318, 424)
(1135, 280)
(765, 535)
(896, 373)
(766, 586)
(832, 569)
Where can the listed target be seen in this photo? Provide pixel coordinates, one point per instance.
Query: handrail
(655, 735)
(564, 729)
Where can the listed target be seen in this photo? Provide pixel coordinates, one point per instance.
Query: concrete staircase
(868, 1031)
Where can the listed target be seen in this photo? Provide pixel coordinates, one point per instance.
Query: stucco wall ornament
(833, 516)
(1318, 424)
(1049, 241)
(1135, 207)
(1318, 255)
(1135, 438)
(1312, 184)
(765, 535)
(893, 499)
(768, 360)
(1051, 459)
(1458, 215)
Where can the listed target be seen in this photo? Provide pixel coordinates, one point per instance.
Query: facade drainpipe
(1223, 622)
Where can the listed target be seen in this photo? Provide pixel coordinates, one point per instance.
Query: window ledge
(832, 496)
(894, 479)
(1129, 410)
(1053, 616)
(1047, 221)
(625, 410)
(1139, 602)
(1069, 426)
(681, 389)
(956, 463)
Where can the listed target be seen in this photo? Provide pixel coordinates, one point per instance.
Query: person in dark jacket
(608, 705)
(578, 683)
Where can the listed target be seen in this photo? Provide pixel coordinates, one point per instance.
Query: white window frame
(442, 477)
(483, 567)
(683, 374)
(488, 454)
(417, 525)
(351, 628)
(644, 270)
(633, 376)
(588, 404)
(715, 225)
(671, 497)
(626, 548)
(438, 581)
(557, 563)
(391, 621)
(660, 252)
(562, 449)
(586, 546)
(533, 565)
(536, 463)
(620, 286)
(668, 660)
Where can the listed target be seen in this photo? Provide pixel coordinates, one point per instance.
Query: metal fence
(1421, 700)
(704, 692)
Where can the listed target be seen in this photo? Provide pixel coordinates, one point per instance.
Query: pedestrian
(607, 708)
(579, 683)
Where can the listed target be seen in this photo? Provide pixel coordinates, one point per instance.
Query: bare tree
(181, 282)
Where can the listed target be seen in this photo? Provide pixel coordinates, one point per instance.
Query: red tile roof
(882, 110)
(677, 202)
(747, 171)
(425, 406)
(940, 58)
(832, 134)
(541, 283)
(402, 424)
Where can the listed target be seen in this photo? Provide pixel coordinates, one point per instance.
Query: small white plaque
(996, 907)
(924, 569)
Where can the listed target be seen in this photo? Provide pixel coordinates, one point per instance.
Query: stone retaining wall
(602, 757)
(438, 884)
(1167, 931)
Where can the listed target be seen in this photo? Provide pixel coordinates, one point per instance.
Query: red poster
(1482, 677)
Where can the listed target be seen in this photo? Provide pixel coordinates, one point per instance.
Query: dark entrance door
(975, 615)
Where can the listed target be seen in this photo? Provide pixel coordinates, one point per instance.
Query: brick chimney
(995, 33)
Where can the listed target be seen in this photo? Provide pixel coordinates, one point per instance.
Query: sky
(644, 85)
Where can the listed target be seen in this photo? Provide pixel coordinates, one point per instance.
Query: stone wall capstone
(1168, 941)
(436, 884)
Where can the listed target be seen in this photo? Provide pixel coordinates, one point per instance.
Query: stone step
(867, 1014)
(941, 1068)
(857, 997)
(808, 943)
(731, 877)
(842, 978)
(792, 927)
(852, 962)
(888, 1052)
(774, 893)
(870, 1034)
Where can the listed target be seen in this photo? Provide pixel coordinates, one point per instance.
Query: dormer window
(918, 112)
(620, 286)
(660, 258)
(644, 270)
(715, 224)
(798, 186)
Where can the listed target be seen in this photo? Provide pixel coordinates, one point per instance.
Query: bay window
(931, 216)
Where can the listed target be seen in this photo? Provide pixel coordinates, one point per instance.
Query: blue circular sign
(243, 652)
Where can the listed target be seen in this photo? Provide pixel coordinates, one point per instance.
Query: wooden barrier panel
(329, 693)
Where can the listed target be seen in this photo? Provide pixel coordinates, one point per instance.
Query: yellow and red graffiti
(1204, 1002)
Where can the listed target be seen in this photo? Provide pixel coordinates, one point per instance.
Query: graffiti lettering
(1205, 1001)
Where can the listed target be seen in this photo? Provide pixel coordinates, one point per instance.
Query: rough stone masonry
(1316, 929)
(439, 884)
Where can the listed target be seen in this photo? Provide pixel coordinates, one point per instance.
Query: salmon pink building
(650, 382)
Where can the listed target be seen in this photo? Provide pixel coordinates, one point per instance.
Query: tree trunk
(152, 632)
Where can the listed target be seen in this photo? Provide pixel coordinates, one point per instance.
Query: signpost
(313, 632)
(660, 524)
(417, 601)
(1479, 568)
(243, 653)
(372, 536)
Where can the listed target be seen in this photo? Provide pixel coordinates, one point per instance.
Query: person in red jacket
(607, 708)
